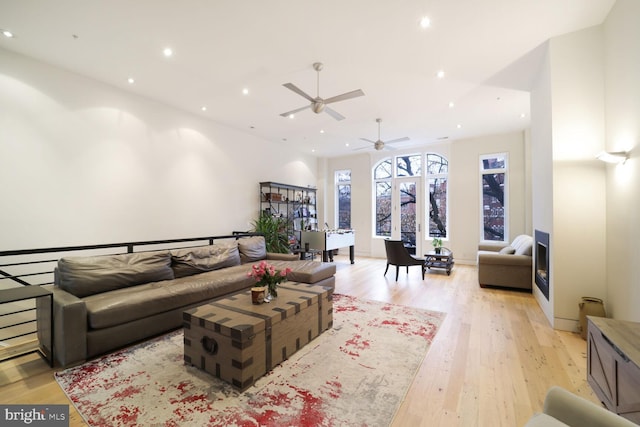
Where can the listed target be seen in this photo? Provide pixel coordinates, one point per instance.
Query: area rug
(355, 374)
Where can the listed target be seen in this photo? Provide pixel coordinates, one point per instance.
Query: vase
(438, 250)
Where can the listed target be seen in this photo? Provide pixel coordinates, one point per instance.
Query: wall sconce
(615, 157)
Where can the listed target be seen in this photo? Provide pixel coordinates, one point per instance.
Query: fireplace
(541, 262)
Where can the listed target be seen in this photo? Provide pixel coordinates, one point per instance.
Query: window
(494, 180)
(382, 187)
(408, 165)
(343, 195)
(437, 171)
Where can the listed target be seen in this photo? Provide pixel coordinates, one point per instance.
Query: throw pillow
(508, 250)
(252, 248)
(84, 276)
(190, 261)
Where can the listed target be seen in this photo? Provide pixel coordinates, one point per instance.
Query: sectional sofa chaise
(102, 303)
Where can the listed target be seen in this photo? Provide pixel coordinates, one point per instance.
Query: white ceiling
(221, 47)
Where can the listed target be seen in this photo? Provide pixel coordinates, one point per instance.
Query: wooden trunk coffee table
(238, 341)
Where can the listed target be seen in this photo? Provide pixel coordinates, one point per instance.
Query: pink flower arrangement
(266, 275)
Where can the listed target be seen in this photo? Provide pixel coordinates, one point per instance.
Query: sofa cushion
(189, 261)
(252, 248)
(125, 305)
(84, 276)
(507, 250)
(306, 271)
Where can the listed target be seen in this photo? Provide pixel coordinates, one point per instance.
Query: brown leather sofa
(102, 303)
(508, 266)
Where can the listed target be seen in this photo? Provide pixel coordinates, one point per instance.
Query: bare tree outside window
(437, 171)
(494, 176)
(343, 187)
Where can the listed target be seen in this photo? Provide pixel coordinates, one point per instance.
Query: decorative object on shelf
(295, 204)
(258, 294)
(437, 244)
(274, 230)
(266, 275)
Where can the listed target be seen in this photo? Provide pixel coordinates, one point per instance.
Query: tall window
(343, 195)
(494, 180)
(382, 175)
(437, 171)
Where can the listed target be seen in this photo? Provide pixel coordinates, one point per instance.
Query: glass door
(407, 219)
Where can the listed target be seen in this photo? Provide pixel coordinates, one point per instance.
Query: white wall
(84, 163)
(542, 170)
(622, 82)
(464, 191)
(569, 184)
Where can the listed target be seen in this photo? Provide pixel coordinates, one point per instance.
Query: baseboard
(568, 325)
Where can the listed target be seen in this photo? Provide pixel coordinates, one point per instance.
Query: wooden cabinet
(613, 364)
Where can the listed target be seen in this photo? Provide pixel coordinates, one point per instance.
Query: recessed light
(451, 104)
(203, 108)
(425, 22)
(245, 91)
(346, 144)
(292, 116)
(167, 51)
(8, 34)
(131, 80)
(459, 126)
(313, 150)
(440, 74)
(523, 115)
(321, 130)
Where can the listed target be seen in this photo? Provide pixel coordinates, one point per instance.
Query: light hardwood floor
(490, 364)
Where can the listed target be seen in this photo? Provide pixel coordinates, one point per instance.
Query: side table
(442, 259)
(30, 292)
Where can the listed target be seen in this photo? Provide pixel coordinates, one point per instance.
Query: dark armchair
(398, 255)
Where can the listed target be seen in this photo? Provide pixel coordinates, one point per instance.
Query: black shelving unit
(294, 203)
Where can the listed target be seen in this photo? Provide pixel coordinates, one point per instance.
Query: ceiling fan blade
(344, 96)
(387, 147)
(361, 148)
(288, 113)
(297, 90)
(368, 140)
(393, 141)
(333, 113)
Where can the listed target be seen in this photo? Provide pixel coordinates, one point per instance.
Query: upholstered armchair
(398, 255)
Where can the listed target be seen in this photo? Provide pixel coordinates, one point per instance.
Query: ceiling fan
(318, 105)
(380, 144)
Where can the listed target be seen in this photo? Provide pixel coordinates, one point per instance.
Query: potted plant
(274, 230)
(437, 244)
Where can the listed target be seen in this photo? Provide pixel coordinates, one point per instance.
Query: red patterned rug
(355, 374)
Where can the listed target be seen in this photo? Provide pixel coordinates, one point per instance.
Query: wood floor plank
(490, 364)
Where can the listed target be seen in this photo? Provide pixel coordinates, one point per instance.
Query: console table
(613, 364)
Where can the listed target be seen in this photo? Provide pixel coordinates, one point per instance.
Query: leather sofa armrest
(576, 411)
(70, 327)
(504, 259)
(282, 257)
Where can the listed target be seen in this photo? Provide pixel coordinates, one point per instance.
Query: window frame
(338, 184)
(427, 177)
(505, 204)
